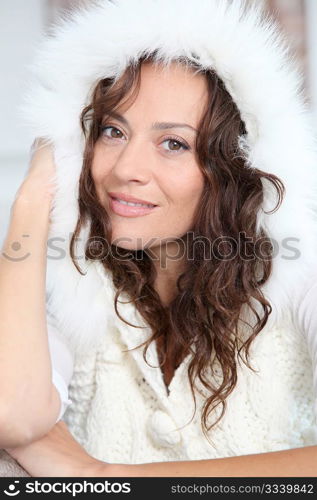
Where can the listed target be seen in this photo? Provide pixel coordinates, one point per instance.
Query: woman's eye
(114, 132)
(175, 145)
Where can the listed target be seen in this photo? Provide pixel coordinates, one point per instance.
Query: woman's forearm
(61, 455)
(26, 391)
(298, 462)
(29, 404)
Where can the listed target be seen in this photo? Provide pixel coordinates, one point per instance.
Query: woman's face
(144, 154)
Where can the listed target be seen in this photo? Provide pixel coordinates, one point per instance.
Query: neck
(169, 264)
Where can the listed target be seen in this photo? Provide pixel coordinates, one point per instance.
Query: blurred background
(23, 22)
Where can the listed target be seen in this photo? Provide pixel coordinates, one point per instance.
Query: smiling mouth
(132, 204)
(130, 209)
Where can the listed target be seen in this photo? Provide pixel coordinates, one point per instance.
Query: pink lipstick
(128, 206)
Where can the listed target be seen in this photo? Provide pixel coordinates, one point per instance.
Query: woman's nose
(133, 162)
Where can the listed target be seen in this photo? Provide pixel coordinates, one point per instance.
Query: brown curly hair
(204, 318)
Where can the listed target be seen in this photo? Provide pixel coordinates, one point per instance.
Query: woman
(184, 318)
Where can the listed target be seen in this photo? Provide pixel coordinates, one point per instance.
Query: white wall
(311, 38)
(21, 24)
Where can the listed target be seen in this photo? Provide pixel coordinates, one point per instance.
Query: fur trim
(247, 51)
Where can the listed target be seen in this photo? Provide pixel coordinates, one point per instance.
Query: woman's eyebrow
(165, 125)
(155, 126)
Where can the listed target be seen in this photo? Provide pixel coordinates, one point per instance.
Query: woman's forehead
(169, 94)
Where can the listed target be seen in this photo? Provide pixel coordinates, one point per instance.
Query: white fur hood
(248, 53)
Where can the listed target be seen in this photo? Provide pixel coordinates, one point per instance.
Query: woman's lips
(128, 211)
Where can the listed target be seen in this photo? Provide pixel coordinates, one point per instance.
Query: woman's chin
(135, 241)
(128, 244)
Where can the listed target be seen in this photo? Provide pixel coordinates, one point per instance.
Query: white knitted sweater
(121, 412)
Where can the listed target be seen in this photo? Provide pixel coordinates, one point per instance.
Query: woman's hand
(38, 182)
(57, 454)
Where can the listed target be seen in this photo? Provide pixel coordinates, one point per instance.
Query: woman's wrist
(31, 209)
(28, 226)
(31, 200)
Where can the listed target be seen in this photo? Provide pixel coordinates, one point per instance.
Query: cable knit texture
(121, 412)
